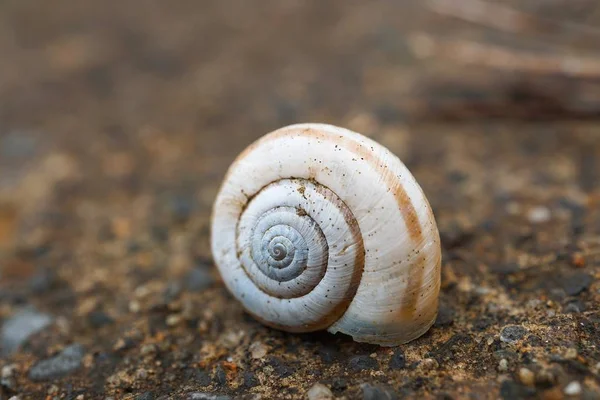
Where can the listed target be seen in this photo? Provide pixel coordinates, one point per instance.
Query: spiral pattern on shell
(317, 227)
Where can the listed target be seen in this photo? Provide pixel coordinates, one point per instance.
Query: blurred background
(118, 121)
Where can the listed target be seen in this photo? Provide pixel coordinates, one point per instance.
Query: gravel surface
(118, 121)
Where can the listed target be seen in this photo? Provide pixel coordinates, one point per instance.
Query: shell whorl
(317, 227)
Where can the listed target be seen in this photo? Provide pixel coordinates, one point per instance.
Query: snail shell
(318, 227)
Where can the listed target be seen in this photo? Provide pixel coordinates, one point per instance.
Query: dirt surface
(118, 121)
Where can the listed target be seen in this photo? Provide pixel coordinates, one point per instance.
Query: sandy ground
(118, 121)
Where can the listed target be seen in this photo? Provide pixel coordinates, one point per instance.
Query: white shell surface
(318, 227)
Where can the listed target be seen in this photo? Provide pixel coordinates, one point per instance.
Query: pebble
(220, 376)
(445, 317)
(571, 354)
(398, 360)
(180, 207)
(173, 319)
(148, 349)
(258, 350)
(8, 370)
(526, 376)
(503, 365)
(538, 215)
(145, 396)
(573, 389)
(7, 379)
(359, 363)
(98, 319)
(134, 306)
(141, 373)
(62, 364)
(428, 364)
(339, 384)
(375, 392)
(576, 283)
(575, 307)
(512, 333)
(172, 291)
(319, 392)
(42, 281)
(198, 279)
(250, 380)
(206, 396)
(20, 327)
(281, 368)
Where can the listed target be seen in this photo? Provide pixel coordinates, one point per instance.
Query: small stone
(180, 207)
(173, 319)
(7, 378)
(123, 344)
(58, 366)
(512, 333)
(281, 369)
(571, 354)
(573, 389)
(20, 327)
(539, 215)
(14, 398)
(80, 397)
(201, 377)
(206, 396)
(503, 365)
(376, 392)
(398, 361)
(145, 396)
(141, 373)
(148, 349)
(258, 350)
(328, 353)
(526, 377)
(359, 363)
(52, 389)
(545, 378)
(8, 371)
(575, 307)
(198, 279)
(576, 283)
(172, 291)
(250, 380)
(319, 392)
(445, 317)
(339, 384)
(220, 376)
(231, 339)
(98, 319)
(134, 306)
(428, 364)
(43, 281)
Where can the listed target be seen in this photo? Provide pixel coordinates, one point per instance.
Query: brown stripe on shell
(359, 258)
